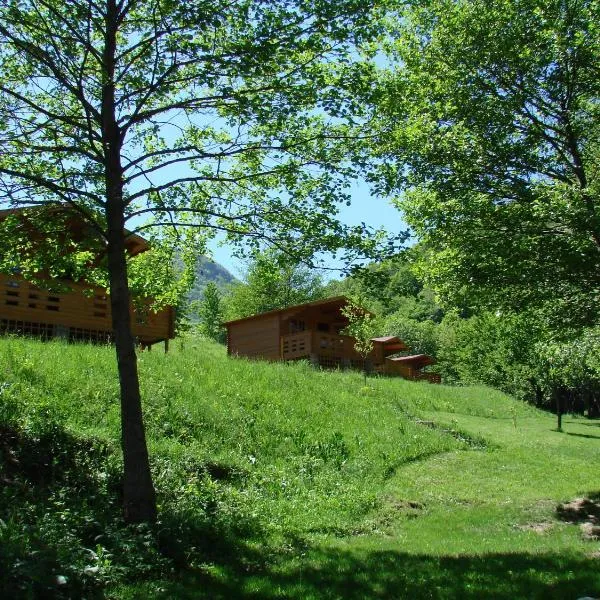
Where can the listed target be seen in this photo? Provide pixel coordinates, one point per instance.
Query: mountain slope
(208, 270)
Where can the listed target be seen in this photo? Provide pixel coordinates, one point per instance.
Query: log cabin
(313, 331)
(73, 310)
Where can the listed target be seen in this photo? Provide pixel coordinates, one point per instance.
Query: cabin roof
(390, 343)
(417, 360)
(336, 300)
(135, 244)
(387, 339)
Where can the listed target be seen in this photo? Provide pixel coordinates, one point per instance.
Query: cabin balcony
(307, 344)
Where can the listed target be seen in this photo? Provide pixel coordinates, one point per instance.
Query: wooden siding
(256, 338)
(83, 313)
(408, 372)
(312, 331)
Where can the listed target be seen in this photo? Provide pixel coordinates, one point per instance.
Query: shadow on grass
(583, 435)
(580, 510)
(72, 505)
(62, 535)
(329, 574)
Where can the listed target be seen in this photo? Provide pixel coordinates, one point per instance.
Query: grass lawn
(461, 524)
(278, 481)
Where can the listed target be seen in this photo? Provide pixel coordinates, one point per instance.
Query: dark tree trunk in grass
(133, 89)
(139, 501)
(559, 408)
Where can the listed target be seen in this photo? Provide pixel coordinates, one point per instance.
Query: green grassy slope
(279, 481)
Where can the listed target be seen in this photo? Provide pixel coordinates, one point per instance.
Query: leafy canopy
(489, 131)
(231, 117)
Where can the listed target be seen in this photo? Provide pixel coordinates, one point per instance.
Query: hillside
(209, 270)
(279, 481)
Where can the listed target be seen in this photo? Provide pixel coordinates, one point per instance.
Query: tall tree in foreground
(224, 115)
(490, 128)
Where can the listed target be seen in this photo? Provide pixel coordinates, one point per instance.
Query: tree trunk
(559, 409)
(139, 499)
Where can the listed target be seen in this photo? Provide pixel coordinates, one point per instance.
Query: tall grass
(254, 464)
(288, 446)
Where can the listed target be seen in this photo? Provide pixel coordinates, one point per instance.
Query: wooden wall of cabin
(318, 318)
(402, 370)
(255, 338)
(377, 355)
(83, 313)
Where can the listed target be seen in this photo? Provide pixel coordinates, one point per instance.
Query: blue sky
(372, 210)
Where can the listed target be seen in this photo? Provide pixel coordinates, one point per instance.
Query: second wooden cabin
(313, 331)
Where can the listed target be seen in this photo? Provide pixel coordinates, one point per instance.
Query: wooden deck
(331, 350)
(304, 344)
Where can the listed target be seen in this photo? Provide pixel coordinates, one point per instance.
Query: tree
(391, 286)
(362, 327)
(273, 280)
(186, 114)
(489, 129)
(210, 313)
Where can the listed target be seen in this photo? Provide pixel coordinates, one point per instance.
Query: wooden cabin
(411, 367)
(79, 311)
(311, 331)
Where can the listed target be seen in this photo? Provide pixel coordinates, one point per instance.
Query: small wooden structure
(411, 367)
(312, 331)
(80, 311)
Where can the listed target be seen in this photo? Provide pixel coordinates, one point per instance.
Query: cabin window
(12, 284)
(297, 325)
(324, 327)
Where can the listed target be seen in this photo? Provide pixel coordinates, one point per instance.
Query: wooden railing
(296, 345)
(327, 344)
(338, 351)
(304, 343)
